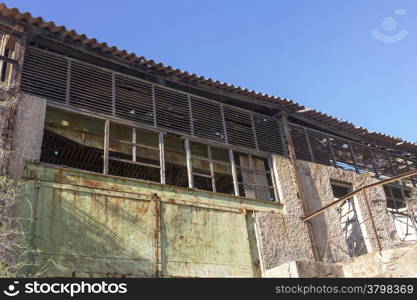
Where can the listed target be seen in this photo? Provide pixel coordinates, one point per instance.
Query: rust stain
(33, 173)
(172, 200)
(142, 209)
(59, 176)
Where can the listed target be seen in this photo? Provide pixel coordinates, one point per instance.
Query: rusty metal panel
(85, 233)
(200, 242)
(89, 225)
(126, 187)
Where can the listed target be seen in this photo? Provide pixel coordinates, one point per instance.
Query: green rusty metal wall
(86, 224)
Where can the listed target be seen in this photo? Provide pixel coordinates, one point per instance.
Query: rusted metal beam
(346, 197)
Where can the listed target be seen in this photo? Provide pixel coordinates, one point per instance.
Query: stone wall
(330, 238)
(306, 269)
(284, 238)
(399, 262)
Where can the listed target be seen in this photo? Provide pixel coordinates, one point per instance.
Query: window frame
(232, 150)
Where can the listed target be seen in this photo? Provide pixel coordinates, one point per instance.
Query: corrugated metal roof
(287, 104)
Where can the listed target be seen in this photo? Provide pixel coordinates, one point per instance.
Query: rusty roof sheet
(177, 74)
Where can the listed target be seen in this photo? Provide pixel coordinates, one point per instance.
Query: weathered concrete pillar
(27, 134)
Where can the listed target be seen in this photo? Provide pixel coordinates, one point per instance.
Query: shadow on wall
(351, 229)
(337, 232)
(82, 234)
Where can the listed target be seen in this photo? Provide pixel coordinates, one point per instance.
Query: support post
(162, 157)
(106, 147)
(189, 163)
(134, 142)
(158, 252)
(234, 173)
(274, 180)
(213, 179)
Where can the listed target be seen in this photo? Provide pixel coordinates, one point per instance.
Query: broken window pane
(254, 177)
(395, 196)
(73, 141)
(175, 161)
(349, 220)
(134, 153)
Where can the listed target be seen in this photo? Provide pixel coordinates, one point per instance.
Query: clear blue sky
(320, 53)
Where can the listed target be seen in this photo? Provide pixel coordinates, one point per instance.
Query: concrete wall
(399, 262)
(330, 238)
(305, 269)
(28, 133)
(284, 238)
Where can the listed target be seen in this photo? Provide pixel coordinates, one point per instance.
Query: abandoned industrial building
(131, 168)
